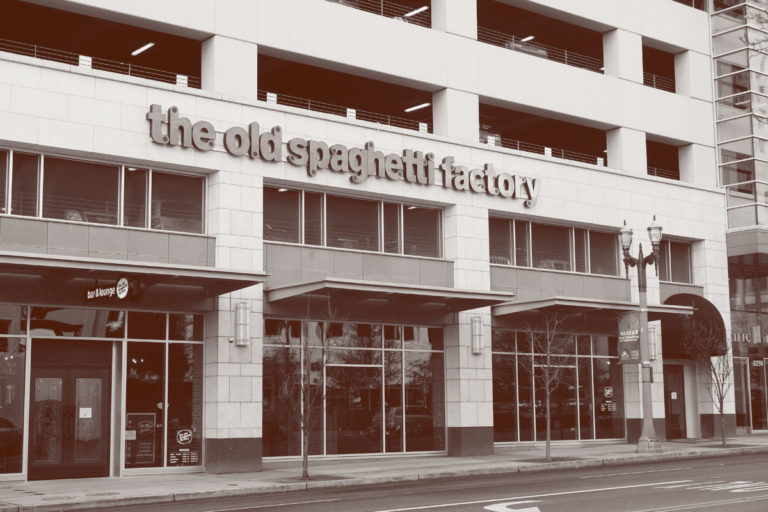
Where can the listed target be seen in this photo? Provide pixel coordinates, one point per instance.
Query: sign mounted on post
(629, 337)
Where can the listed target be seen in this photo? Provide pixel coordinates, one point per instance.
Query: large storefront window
(12, 387)
(586, 404)
(348, 223)
(545, 246)
(83, 191)
(373, 388)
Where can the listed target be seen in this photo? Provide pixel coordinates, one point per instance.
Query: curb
(279, 488)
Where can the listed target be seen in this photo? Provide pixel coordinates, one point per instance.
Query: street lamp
(648, 442)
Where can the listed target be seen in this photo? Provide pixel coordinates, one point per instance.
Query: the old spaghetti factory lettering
(412, 166)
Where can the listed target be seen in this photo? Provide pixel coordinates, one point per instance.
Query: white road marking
(564, 493)
(634, 473)
(252, 507)
(504, 507)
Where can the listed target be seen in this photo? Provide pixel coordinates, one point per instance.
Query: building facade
(371, 208)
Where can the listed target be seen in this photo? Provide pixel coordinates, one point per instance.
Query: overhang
(360, 291)
(77, 274)
(574, 305)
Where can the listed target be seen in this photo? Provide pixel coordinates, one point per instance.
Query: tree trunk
(722, 425)
(548, 455)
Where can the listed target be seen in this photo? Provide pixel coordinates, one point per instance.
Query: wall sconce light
(242, 327)
(477, 335)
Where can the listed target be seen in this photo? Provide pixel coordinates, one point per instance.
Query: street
(738, 483)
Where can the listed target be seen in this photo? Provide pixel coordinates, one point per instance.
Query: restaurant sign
(119, 290)
(361, 163)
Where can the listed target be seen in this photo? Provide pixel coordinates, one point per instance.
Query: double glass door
(69, 410)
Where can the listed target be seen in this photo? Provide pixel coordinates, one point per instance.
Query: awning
(359, 291)
(68, 277)
(569, 305)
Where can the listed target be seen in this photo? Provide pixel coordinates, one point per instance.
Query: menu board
(140, 438)
(181, 450)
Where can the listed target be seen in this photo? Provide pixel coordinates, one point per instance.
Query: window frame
(667, 260)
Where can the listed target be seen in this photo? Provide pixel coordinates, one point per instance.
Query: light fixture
(131, 168)
(654, 233)
(282, 190)
(416, 11)
(142, 49)
(477, 335)
(417, 107)
(526, 39)
(242, 326)
(412, 207)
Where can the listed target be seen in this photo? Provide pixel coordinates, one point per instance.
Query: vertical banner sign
(629, 337)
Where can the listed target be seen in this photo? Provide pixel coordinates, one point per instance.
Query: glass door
(758, 393)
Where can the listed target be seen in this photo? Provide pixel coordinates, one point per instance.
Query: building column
(455, 16)
(229, 66)
(233, 373)
(456, 114)
(697, 165)
(469, 378)
(626, 150)
(690, 66)
(623, 55)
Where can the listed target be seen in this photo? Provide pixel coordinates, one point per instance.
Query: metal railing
(389, 10)
(659, 82)
(74, 59)
(349, 113)
(530, 147)
(696, 4)
(486, 35)
(664, 173)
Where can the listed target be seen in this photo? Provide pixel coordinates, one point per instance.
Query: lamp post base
(648, 445)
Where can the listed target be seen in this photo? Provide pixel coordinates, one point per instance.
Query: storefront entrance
(674, 401)
(69, 409)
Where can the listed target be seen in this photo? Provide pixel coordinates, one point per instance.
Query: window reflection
(12, 382)
(185, 404)
(80, 191)
(144, 394)
(24, 187)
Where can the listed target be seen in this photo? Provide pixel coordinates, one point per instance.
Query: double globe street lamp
(648, 442)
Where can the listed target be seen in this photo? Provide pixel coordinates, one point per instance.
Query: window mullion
(40, 178)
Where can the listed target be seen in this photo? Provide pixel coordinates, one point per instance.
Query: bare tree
(705, 343)
(550, 343)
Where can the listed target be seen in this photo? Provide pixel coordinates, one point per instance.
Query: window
(348, 223)
(675, 262)
(82, 191)
(552, 247)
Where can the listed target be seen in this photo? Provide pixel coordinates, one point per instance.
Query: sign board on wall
(118, 289)
(140, 437)
(629, 337)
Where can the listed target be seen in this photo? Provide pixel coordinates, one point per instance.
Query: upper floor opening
(416, 12)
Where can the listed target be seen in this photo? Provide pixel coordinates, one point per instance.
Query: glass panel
(94, 323)
(185, 404)
(421, 231)
(80, 191)
(724, 4)
(741, 391)
(174, 214)
(144, 399)
(186, 327)
(604, 345)
(88, 420)
(3, 179)
(522, 247)
(756, 37)
(563, 410)
(352, 223)
(739, 217)
(738, 172)
(354, 335)
(313, 218)
(281, 214)
(760, 125)
(422, 338)
(392, 228)
(12, 371)
(609, 407)
(500, 240)
(313, 332)
(551, 247)
(13, 319)
(758, 60)
(503, 341)
(728, 19)
(47, 421)
(135, 197)
(146, 326)
(603, 253)
(504, 398)
(393, 403)
(734, 128)
(680, 262)
(736, 150)
(353, 397)
(282, 332)
(281, 407)
(392, 336)
(580, 249)
(585, 398)
(24, 188)
(759, 104)
(664, 261)
(758, 396)
(350, 356)
(762, 215)
(732, 84)
(525, 396)
(733, 106)
(424, 399)
(741, 194)
(583, 345)
(732, 62)
(728, 41)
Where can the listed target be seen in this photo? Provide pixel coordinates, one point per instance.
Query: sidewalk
(102, 493)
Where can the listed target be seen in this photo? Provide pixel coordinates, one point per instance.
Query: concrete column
(469, 378)
(455, 16)
(698, 165)
(691, 69)
(623, 55)
(233, 374)
(456, 114)
(626, 150)
(229, 66)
